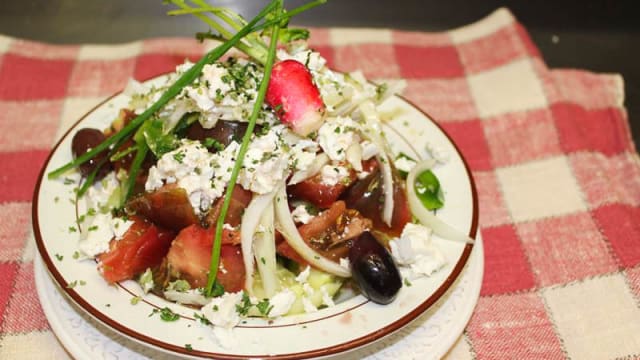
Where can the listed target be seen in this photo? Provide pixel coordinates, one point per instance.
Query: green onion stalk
(262, 90)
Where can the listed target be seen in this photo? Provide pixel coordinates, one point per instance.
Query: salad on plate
(256, 182)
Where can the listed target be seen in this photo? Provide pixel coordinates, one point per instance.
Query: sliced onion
(250, 221)
(374, 134)
(315, 167)
(425, 216)
(264, 246)
(288, 229)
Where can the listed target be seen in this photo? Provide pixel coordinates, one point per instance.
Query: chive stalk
(187, 78)
(217, 241)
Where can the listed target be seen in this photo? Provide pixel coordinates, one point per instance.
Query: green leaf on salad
(158, 142)
(245, 304)
(427, 188)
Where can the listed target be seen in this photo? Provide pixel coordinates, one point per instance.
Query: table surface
(591, 35)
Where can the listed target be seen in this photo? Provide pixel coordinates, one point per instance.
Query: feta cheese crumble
(301, 215)
(416, 253)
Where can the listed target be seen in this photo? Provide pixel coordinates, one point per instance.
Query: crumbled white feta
(281, 302)
(301, 215)
(304, 275)
(402, 163)
(98, 236)
(266, 163)
(221, 311)
(326, 298)
(369, 150)
(203, 175)
(308, 305)
(416, 251)
(119, 226)
(336, 135)
(437, 153)
(191, 296)
(333, 174)
(311, 59)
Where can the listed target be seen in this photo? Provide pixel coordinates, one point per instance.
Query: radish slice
(264, 246)
(250, 221)
(288, 229)
(425, 216)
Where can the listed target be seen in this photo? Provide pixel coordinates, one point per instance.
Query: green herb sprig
(262, 90)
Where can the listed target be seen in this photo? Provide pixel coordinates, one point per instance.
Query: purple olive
(373, 269)
(224, 132)
(83, 141)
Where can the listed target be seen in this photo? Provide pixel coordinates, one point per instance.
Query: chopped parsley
(188, 347)
(202, 319)
(245, 304)
(166, 314)
(407, 283)
(264, 307)
(179, 157)
(135, 300)
(59, 257)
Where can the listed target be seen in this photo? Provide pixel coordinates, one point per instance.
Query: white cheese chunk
(301, 215)
(221, 311)
(281, 302)
(416, 251)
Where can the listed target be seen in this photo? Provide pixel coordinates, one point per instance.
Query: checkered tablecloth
(550, 150)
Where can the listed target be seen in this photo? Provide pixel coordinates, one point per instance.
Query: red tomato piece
(143, 246)
(168, 206)
(190, 256)
(318, 193)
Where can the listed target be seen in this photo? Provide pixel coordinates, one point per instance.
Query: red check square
(593, 130)
(23, 168)
(620, 225)
(148, 66)
(517, 325)
(518, 137)
(506, 265)
(559, 247)
(25, 78)
(606, 180)
(24, 313)
(9, 271)
(493, 211)
(375, 60)
(428, 61)
(470, 138)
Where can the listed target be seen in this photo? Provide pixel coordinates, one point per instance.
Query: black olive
(373, 269)
(83, 141)
(224, 132)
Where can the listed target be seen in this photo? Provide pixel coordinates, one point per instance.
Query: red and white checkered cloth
(550, 150)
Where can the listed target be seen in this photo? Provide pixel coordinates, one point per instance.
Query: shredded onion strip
(321, 160)
(374, 134)
(250, 220)
(288, 229)
(264, 246)
(425, 216)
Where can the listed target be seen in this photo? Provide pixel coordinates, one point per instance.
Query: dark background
(601, 36)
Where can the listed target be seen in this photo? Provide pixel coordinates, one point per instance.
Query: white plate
(346, 326)
(430, 336)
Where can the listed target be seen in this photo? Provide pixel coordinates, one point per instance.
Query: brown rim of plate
(333, 350)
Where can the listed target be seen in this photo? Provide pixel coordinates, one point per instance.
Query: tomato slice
(168, 206)
(367, 197)
(142, 246)
(190, 256)
(240, 199)
(329, 233)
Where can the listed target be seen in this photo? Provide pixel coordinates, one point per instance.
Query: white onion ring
(250, 221)
(425, 216)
